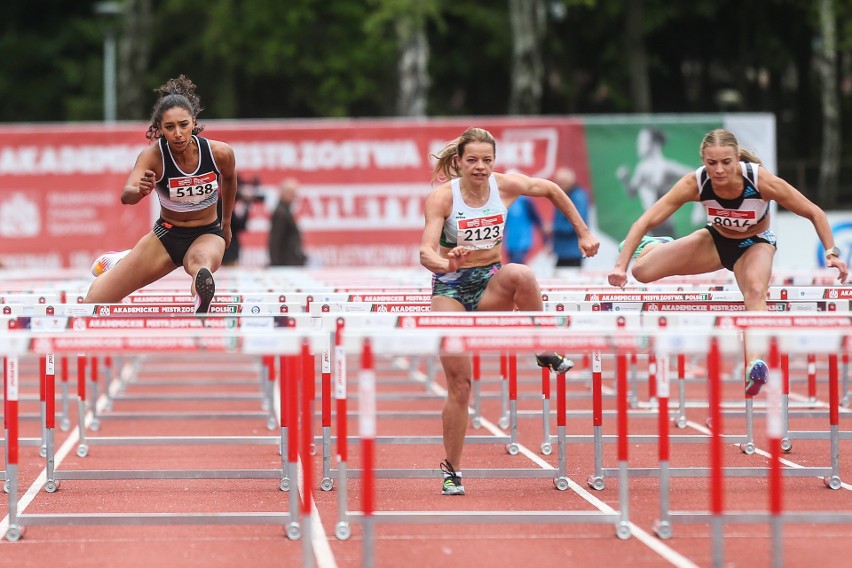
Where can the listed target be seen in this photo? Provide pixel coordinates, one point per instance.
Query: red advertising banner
(363, 183)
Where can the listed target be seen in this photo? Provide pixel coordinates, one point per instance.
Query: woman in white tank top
(461, 246)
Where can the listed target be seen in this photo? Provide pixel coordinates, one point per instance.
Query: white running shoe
(107, 260)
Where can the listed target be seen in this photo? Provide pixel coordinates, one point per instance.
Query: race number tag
(481, 233)
(731, 220)
(193, 189)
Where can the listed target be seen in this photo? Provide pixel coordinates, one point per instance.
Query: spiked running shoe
(646, 240)
(107, 260)
(756, 376)
(205, 289)
(452, 480)
(556, 363)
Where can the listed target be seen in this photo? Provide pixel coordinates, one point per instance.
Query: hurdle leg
(50, 484)
(306, 427)
(622, 529)
(11, 385)
(633, 393)
(476, 376)
(714, 379)
(94, 389)
(663, 526)
(82, 446)
(786, 443)
(342, 529)
(267, 386)
(812, 379)
(65, 423)
(5, 423)
(596, 480)
(326, 484)
(747, 447)
(845, 400)
(284, 431)
(512, 447)
(652, 378)
(292, 384)
(833, 482)
(680, 421)
(774, 432)
(367, 430)
(503, 422)
(42, 372)
(546, 448)
(561, 481)
(107, 381)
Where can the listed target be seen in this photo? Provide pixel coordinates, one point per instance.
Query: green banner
(632, 165)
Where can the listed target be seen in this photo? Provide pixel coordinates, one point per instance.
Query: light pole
(109, 13)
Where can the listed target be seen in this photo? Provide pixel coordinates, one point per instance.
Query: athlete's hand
(837, 263)
(589, 245)
(618, 278)
(456, 258)
(146, 184)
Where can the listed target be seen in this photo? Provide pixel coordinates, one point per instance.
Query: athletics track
(199, 417)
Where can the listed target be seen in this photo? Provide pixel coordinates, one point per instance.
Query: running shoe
(556, 363)
(452, 480)
(756, 376)
(646, 240)
(107, 260)
(205, 289)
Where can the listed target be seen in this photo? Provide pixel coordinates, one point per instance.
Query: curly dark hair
(179, 92)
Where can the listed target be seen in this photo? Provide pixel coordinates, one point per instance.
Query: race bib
(481, 233)
(193, 189)
(731, 220)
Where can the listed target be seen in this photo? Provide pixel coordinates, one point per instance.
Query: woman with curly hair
(191, 175)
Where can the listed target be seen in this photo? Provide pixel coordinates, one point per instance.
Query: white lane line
(27, 498)
(322, 549)
(764, 453)
(74, 437)
(323, 556)
(652, 542)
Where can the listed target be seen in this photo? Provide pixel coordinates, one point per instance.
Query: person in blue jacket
(522, 220)
(565, 243)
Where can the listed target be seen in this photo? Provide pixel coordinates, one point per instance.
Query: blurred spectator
(285, 239)
(246, 194)
(522, 220)
(566, 246)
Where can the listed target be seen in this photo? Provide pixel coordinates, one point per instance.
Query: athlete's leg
(514, 285)
(147, 262)
(753, 271)
(204, 257)
(692, 254)
(457, 369)
(205, 252)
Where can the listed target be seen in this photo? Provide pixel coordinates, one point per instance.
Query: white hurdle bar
(259, 339)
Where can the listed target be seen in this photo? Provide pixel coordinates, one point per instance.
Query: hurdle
(808, 337)
(287, 342)
(459, 335)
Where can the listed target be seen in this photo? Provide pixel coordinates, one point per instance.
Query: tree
(528, 19)
(637, 59)
(409, 19)
(829, 166)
